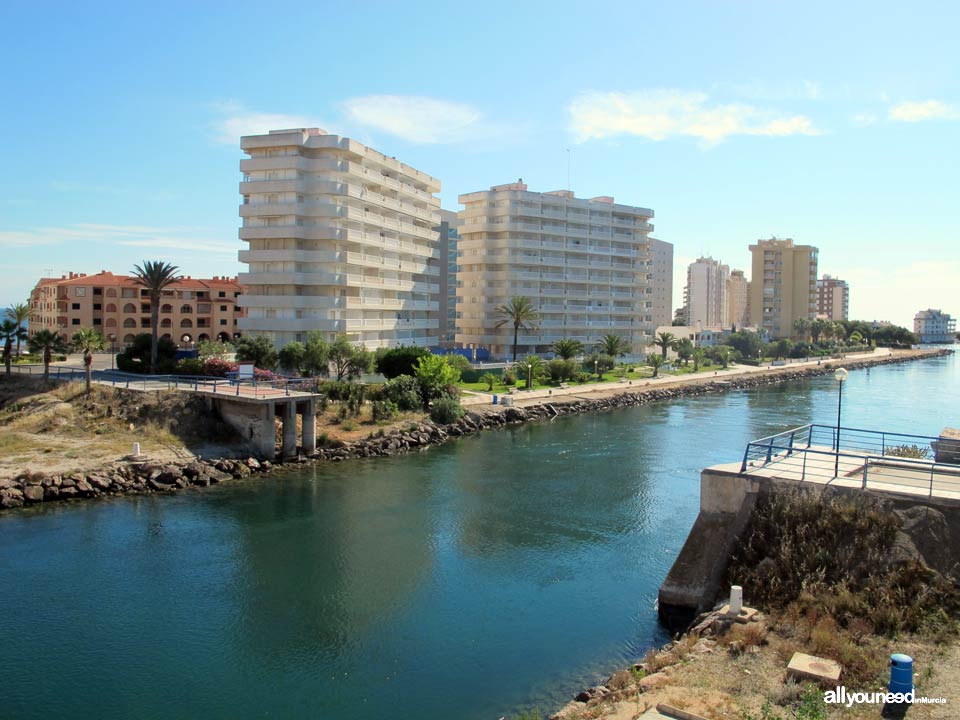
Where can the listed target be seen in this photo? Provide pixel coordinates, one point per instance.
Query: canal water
(495, 573)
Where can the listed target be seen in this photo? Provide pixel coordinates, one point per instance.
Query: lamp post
(529, 376)
(840, 375)
(596, 371)
(113, 349)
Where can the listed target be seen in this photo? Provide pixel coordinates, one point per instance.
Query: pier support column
(265, 434)
(309, 422)
(289, 448)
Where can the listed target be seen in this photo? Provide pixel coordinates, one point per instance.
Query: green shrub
(446, 410)
(404, 392)
(398, 361)
(490, 379)
(189, 366)
(562, 370)
(376, 392)
(383, 410)
(509, 377)
(436, 377)
(335, 389)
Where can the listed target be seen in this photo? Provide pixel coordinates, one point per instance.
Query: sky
(835, 124)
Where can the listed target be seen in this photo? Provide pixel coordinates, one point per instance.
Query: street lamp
(840, 375)
(596, 371)
(529, 376)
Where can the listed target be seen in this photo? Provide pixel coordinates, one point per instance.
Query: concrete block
(947, 447)
(810, 667)
(744, 616)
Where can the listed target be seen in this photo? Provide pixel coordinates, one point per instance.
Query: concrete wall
(254, 422)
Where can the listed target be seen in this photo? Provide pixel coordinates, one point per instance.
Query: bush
(136, 358)
(436, 377)
(490, 379)
(562, 370)
(383, 410)
(446, 410)
(583, 377)
(335, 389)
(404, 392)
(604, 363)
(258, 350)
(216, 367)
(398, 361)
(189, 366)
(458, 362)
(509, 377)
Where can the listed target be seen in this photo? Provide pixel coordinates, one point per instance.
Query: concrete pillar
(309, 421)
(267, 436)
(289, 448)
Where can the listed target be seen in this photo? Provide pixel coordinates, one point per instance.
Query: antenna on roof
(568, 168)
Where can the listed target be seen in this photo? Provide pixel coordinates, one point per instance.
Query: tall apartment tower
(738, 298)
(661, 254)
(705, 297)
(341, 240)
(449, 252)
(783, 285)
(585, 264)
(833, 298)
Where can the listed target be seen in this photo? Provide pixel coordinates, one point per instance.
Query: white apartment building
(935, 326)
(738, 300)
(705, 297)
(585, 264)
(341, 239)
(661, 254)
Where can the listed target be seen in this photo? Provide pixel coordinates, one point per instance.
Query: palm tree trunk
(88, 363)
(46, 363)
(516, 331)
(154, 321)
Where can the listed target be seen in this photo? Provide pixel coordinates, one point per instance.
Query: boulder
(253, 463)
(68, 491)
(99, 482)
(11, 498)
(33, 493)
(51, 492)
(652, 682)
(85, 488)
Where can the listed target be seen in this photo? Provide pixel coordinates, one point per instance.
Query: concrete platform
(811, 667)
(744, 616)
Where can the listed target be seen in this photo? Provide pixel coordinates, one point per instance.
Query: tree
(46, 343)
(136, 356)
(698, 356)
(724, 354)
(665, 341)
(520, 313)
(685, 350)
(19, 313)
(213, 348)
(801, 326)
(155, 276)
(817, 328)
(259, 350)
(349, 361)
(613, 345)
(88, 341)
(568, 348)
(291, 355)
(437, 378)
(745, 342)
(489, 379)
(531, 368)
(782, 348)
(399, 360)
(656, 362)
(316, 355)
(10, 332)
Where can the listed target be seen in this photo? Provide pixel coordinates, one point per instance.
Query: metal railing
(871, 457)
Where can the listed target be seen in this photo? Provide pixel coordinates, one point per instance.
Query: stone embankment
(138, 477)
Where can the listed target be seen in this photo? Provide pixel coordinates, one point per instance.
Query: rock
(68, 491)
(253, 463)
(85, 488)
(652, 682)
(11, 498)
(157, 486)
(100, 483)
(6, 483)
(33, 493)
(194, 469)
(51, 492)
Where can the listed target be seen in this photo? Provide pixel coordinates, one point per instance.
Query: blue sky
(836, 124)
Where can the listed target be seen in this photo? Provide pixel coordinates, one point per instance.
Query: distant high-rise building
(705, 297)
(584, 264)
(783, 285)
(342, 239)
(738, 299)
(833, 298)
(449, 238)
(661, 254)
(935, 326)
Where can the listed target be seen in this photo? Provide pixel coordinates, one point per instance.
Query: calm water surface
(498, 572)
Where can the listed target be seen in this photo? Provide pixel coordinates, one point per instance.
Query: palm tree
(531, 367)
(816, 328)
(568, 348)
(802, 326)
(613, 345)
(698, 355)
(19, 313)
(10, 331)
(665, 341)
(520, 313)
(724, 354)
(87, 341)
(655, 361)
(47, 342)
(155, 276)
(684, 349)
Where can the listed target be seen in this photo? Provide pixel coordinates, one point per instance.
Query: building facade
(705, 298)
(191, 310)
(738, 300)
(585, 264)
(935, 326)
(448, 238)
(783, 285)
(661, 254)
(341, 239)
(833, 298)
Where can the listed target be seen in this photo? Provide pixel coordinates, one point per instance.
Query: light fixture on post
(840, 375)
(529, 376)
(596, 371)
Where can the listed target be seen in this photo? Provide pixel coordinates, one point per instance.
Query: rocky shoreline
(141, 476)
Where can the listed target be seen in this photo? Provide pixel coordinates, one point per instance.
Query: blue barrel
(901, 673)
(494, 399)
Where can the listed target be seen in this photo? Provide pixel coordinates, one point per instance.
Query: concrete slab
(744, 616)
(662, 710)
(811, 667)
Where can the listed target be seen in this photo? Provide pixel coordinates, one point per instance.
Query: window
(80, 292)
(166, 308)
(111, 292)
(144, 308)
(223, 308)
(75, 306)
(129, 308)
(97, 321)
(98, 291)
(75, 321)
(184, 309)
(223, 322)
(221, 294)
(97, 306)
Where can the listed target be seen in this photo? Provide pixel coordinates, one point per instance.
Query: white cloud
(863, 119)
(925, 110)
(237, 120)
(662, 114)
(419, 119)
(181, 239)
